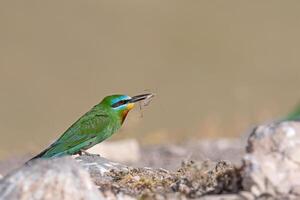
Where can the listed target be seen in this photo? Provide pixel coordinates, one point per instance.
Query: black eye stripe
(119, 103)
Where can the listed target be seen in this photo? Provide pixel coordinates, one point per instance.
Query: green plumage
(92, 128)
(294, 115)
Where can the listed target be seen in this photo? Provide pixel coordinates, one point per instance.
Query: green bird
(98, 124)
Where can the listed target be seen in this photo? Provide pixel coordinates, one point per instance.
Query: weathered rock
(65, 178)
(271, 170)
(225, 197)
(51, 179)
(98, 164)
(192, 179)
(272, 162)
(99, 168)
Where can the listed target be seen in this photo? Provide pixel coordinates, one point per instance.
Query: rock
(99, 167)
(192, 179)
(223, 197)
(270, 170)
(50, 179)
(124, 151)
(272, 162)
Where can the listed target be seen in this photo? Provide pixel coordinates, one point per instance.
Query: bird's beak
(141, 97)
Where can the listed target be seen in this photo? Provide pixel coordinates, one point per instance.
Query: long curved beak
(141, 97)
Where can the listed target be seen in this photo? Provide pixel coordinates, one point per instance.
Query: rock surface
(60, 179)
(191, 180)
(270, 170)
(65, 179)
(272, 162)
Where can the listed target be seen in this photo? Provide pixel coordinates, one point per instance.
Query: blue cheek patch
(115, 100)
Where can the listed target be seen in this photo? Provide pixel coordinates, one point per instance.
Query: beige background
(217, 67)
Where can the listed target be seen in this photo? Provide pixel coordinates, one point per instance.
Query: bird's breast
(124, 115)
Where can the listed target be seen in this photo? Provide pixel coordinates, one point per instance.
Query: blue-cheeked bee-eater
(98, 124)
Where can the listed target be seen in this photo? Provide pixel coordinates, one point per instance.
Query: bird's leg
(86, 153)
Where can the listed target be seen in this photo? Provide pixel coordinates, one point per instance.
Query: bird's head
(122, 104)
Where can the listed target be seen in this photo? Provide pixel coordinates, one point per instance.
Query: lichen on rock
(192, 179)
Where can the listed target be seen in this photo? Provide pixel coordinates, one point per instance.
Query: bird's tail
(40, 155)
(52, 151)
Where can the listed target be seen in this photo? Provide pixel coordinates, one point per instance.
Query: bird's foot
(83, 152)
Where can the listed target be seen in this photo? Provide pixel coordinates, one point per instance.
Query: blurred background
(217, 67)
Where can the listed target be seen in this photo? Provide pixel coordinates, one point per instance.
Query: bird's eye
(119, 103)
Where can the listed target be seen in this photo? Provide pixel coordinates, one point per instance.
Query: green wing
(294, 115)
(79, 136)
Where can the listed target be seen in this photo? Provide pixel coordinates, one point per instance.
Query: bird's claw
(83, 152)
